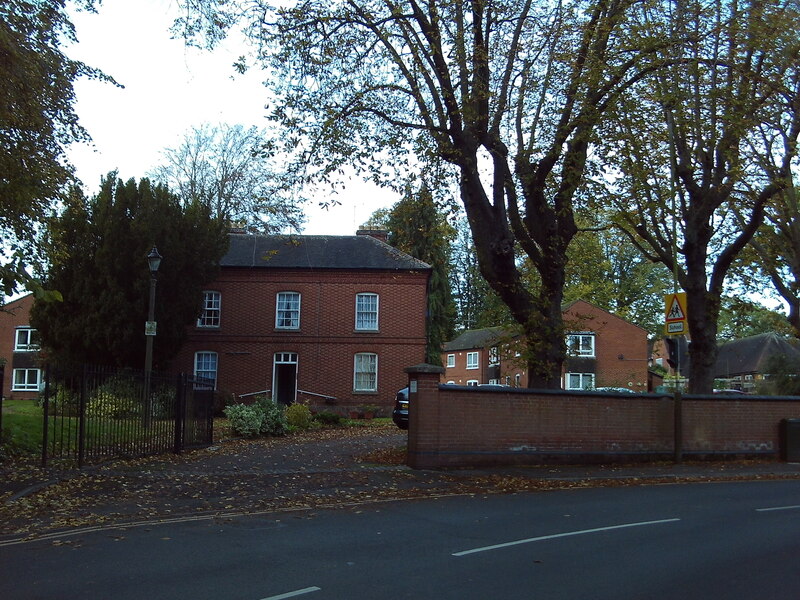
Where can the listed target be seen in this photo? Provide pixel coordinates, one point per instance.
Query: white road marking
(307, 590)
(795, 507)
(562, 535)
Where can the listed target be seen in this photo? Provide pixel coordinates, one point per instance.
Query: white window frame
(206, 372)
(26, 385)
(24, 340)
(518, 380)
(494, 356)
(365, 372)
(473, 360)
(287, 310)
(472, 382)
(581, 344)
(367, 315)
(585, 381)
(451, 361)
(212, 310)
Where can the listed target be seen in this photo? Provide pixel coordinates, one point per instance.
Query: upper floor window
(451, 361)
(494, 356)
(472, 360)
(365, 376)
(211, 310)
(26, 340)
(580, 344)
(287, 312)
(579, 381)
(26, 380)
(367, 312)
(205, 366)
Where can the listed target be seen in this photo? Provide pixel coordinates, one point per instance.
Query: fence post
(180, 412)
(678, 425)
(45, 414)
(82, 419)
(2, 383)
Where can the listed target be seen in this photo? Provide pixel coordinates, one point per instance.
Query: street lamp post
(153, 261)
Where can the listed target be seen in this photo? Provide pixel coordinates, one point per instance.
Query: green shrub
(264, 417)
(245, 419)
(328, 418)
(299, 416)
(274, 416)
(117, 398)
(61, 401)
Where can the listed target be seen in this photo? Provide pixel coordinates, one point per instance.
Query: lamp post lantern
(153, 262)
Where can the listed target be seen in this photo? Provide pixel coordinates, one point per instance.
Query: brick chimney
(378, 234)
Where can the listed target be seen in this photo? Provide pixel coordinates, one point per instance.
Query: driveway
(323, 468)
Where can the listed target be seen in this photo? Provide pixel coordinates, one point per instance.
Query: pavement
(328, 468)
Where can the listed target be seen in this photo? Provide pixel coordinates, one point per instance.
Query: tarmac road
(323, 468)
(733, 540)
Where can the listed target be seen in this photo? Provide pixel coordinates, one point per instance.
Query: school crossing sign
(675, 314)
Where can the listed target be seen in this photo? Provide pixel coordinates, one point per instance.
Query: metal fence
(92, 413)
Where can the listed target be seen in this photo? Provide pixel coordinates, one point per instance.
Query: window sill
(365, 392)
(366, 331)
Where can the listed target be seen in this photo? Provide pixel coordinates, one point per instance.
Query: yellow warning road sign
(675, 314)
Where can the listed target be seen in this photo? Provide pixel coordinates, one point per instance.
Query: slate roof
(750, 355)
(355, 252)
(475, 338)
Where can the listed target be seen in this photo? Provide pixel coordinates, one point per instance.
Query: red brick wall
(614, 338)
(13, 315)
(452, 426)
(620, 353)
(326, 342)
(459, 374)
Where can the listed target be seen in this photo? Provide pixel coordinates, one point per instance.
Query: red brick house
(327, 320)
(19, 350)
(603, 350)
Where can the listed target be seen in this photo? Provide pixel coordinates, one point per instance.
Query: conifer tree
(98, 250)
(416, 226)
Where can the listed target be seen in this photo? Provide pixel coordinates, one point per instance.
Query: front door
(284, 377)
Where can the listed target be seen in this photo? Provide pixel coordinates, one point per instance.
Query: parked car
(400, 412)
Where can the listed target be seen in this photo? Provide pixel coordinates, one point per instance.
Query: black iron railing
(91, 413)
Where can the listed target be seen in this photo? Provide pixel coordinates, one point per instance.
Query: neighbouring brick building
(603, 350)
(19, 350)
(327, 320)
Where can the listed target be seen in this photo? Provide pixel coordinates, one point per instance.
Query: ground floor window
(472, 382)
(26, 380)
(579, 381)
(205, 366)
(365, 377)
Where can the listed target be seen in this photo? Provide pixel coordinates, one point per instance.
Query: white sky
(169, 89)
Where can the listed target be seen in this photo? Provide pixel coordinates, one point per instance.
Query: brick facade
(320, 354)
(619, 357)
(15, 316)
(454, 426)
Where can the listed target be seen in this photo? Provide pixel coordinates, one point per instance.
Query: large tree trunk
(539, 317)
(703, 313)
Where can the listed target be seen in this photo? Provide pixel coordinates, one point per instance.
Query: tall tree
(228, 169)
(98, 249)
(508, 93)
(693, 183)
(471, 293)
(37, 123)
(417, 227)
(776, 250)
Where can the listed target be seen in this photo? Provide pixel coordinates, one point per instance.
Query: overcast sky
(169, 89)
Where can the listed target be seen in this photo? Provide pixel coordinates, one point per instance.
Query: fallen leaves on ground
(318, 468)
